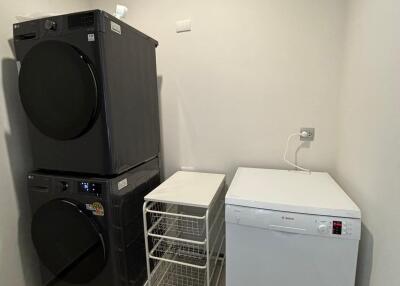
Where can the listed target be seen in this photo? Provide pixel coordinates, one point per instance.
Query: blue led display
(92, 188)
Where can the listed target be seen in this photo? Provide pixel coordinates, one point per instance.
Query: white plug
(304, 134)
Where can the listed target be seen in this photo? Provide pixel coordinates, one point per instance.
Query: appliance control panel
(70, 185)
(89, 187)
(336, 226)
(308, 224)
(80, 186)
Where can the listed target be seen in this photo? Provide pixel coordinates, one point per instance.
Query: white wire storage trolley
(184, 225)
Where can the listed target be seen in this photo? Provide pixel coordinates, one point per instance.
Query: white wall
(368, 164)
(17, 261)
(249, 74)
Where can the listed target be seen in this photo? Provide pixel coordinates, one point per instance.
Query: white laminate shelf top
(188, 188)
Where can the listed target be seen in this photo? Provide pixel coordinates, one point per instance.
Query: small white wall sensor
(183, 26)
(120, 11)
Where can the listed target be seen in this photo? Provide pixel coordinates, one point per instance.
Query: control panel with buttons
(335, 226)
(326, 226)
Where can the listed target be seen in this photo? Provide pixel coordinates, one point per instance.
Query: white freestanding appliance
(287, 228)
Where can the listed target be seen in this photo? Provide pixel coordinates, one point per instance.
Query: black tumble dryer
(88, 84)
(88, 230)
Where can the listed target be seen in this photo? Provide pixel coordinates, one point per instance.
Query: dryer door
(68, 242)
(58, 90)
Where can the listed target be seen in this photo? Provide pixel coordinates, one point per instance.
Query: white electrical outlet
(310, 134)
(183, 26)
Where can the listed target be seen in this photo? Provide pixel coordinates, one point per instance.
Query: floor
(222, 278)
(222, 281)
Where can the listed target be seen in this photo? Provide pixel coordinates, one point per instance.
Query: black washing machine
(88, 84)
(89, 231)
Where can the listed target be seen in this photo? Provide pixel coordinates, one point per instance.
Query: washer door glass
(68, 242)
(58, 90)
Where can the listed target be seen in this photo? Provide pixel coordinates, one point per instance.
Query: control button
(50, 25)
(64, 186)
(322, 228)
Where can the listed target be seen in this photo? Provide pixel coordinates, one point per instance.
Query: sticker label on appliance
(90, 38)
(96, 208)
(115, 27)
(89, 207)
(122, 184)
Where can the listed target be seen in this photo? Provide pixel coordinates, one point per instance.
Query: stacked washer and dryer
(88, 84)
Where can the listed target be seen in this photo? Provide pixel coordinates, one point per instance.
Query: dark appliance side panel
(126, 232)
(88, 153)
(130, 68)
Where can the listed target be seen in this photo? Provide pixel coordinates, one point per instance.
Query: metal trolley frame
(184, 242)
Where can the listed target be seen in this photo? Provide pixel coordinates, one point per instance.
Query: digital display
(90, 188)
(337, 227)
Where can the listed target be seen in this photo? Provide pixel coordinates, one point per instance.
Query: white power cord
(302, 134)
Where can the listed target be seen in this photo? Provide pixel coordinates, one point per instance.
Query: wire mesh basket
(168, 219)
(183, 251)
(184, 243)
(170, 274)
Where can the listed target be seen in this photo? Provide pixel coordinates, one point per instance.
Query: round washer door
(68, 242)
(58, 90)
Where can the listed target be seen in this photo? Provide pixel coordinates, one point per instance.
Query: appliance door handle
(287, 229)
